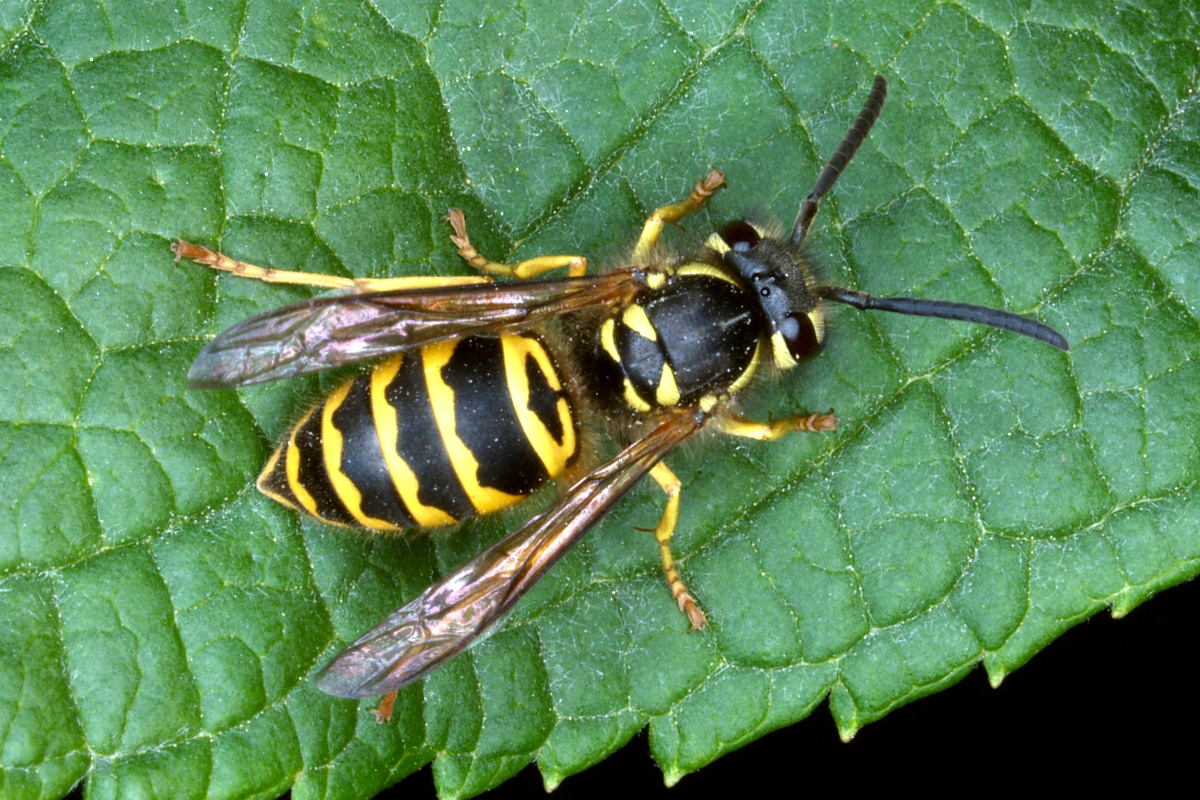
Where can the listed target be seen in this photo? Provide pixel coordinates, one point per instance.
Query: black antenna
(981, 315)
(840, 158)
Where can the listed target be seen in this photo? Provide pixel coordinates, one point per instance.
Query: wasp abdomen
(436, 435)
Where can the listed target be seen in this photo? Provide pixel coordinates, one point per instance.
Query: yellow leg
(737, 425)
(673, 213)
(666, 526)
(576, 265)
(202, 255)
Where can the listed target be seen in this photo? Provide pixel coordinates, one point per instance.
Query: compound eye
(739, 235)
(800, 335)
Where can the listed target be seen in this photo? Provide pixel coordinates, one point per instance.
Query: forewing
(445, 618)
(330, 331)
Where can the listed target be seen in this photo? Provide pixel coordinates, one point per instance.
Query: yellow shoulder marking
(634, 317)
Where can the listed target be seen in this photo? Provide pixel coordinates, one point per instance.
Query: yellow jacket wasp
(485, 384)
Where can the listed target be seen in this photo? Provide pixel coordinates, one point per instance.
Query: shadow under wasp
(487, 388)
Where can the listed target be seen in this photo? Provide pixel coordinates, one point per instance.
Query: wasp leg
(576, 265)
(202, 255)
(666, 526)
(673, 213)
(737, 425)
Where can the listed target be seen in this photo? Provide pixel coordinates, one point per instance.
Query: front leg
(675, 212)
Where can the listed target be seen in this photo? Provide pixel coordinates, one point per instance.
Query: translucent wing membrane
(342, 329)
(445, 618)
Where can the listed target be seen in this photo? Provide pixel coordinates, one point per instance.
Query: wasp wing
(330, 331)
(445, 618)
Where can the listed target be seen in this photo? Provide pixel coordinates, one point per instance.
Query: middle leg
(737, 425)
(530, 268)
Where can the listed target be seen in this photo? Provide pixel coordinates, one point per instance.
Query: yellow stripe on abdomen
(522, 355)
(466, 465)
(387, 425)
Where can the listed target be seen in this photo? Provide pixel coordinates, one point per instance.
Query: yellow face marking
(307, 501)
(608, 341)
(517, 349)
(779, 350)
(466, 466)
(817, 317)
(716, 241)
(333, 446)
(635, 318)
(667, 391)
(387, 427)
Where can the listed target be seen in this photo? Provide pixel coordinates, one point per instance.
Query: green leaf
(983, 493)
